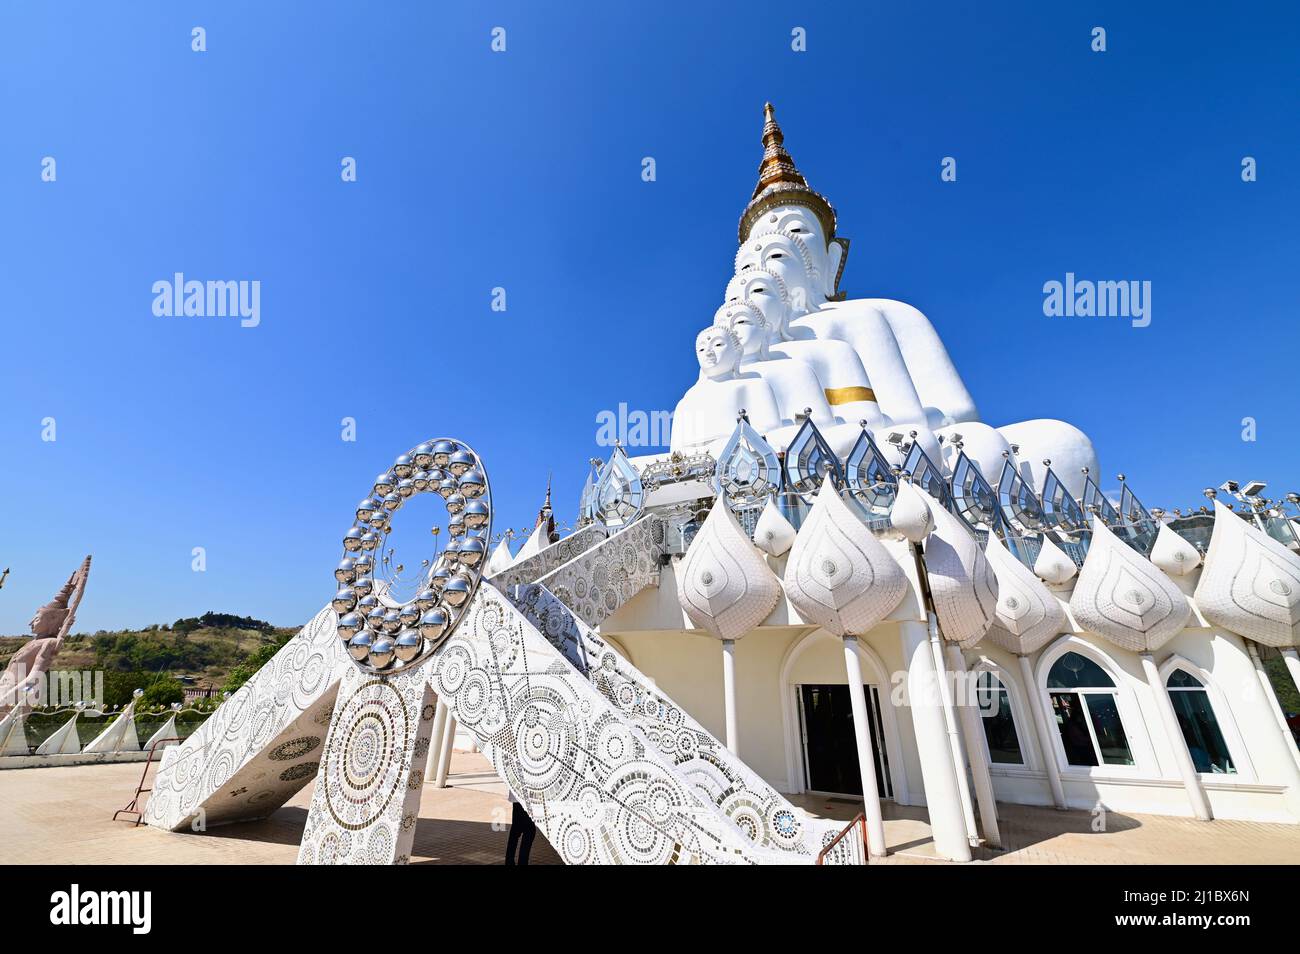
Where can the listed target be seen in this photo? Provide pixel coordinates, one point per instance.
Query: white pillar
(729, 693)
(942, 798)
(1191, 781)
(1043, 729)
(950, 722)
(979, 766)
(435, 742)
(866, 758)
(448, 742)
(1270, 698)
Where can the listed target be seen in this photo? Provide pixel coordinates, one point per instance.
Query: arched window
(1200, 728)
(999, 724)
(1087, 712)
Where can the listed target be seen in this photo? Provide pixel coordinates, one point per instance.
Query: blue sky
(522, 170)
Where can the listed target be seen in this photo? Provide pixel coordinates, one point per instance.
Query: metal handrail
(132, 808)
(860, 823)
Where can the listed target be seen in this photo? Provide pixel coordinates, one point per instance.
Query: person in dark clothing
(522, 833)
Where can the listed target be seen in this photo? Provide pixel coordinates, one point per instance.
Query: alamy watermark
(178, 298)
(1083, 298)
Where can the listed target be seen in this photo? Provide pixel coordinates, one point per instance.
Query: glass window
(1087, 714)
(999, 725)
(1200, 728)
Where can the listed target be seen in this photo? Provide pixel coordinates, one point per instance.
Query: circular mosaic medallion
(363, 760)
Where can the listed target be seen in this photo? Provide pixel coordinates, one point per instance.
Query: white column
(1270, 698)
(866, 757)
(729, 693)
(942, 798)
(448, 741)
(979, 766)
(1191, 781)
(950, 721)
(435, 742)
(1043, 729)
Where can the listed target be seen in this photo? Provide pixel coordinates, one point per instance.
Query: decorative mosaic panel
(609, 574)
(597, 790)
(698, 757)
(367, 798)
(549, 559)
(236, 766)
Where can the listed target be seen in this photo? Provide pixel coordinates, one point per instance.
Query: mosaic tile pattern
(606, 576)
(697, 756)
(549, 559)
(367, 798)
(598, 791)
(228, 770)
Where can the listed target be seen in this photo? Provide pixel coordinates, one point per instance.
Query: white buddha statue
(845, 385)
(793, 383)
(707, 411)
(788, 230)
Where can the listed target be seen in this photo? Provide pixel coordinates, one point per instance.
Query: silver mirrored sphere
(375, 620)
(369, 540)
(365, 565)
(409, 614)
(442, 451)
(408, 644)
(346, 571)
(381, 652)
(406, 486)
(344, 600)
(472, 484)
(423, 455)
(475, 514)
(472, 550)
(455, 503)
(359, 646)
(460, 462)
(421, 479)
(365, 509)
(403, 466)
(439, 577)
(385, 483)
(456, 526)
(353, 540)
(349, 625)
(456, 592)
(392, 501)
(427, 598)
(434, 623)
(447, 487)
(363, 585)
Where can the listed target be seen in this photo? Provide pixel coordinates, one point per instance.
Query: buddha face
(47, 621)
(766, 292)
(785, 258)
(718, 352)
(749, 327)
(805, 243)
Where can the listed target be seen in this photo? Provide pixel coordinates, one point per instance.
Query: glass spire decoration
(926, 475)
(869, 476)
(1021, 509)
(618, 495)
(587, 502)
(1060, 509)
(1094, 501)
(809, 460)
(748, 472)
(973, 498)
(1142, 526)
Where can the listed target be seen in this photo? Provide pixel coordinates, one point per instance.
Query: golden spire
(781, 183)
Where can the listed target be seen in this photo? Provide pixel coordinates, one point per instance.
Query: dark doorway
(830, 749)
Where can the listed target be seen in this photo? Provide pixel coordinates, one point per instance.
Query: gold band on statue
(847, 395)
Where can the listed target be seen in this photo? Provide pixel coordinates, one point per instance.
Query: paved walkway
(63, 815)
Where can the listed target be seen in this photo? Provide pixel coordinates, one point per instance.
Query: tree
(163, 692)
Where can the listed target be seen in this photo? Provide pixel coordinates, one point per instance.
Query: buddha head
(789, 259)
(718, 351)
(49, 618)
(749, 326)
(767, 292)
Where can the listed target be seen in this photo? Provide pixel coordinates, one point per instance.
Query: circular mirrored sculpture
(395, 609)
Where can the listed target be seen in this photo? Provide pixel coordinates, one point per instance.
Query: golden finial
(781, 183)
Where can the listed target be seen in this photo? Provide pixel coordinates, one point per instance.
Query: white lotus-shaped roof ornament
(1173, 554)
(1122, 596)
(723, 584)
(1052, 565)
(839, 575)
(500, 560)
(962, 584)
(1251, 582)
(910, 514)
(1028, 616)
(773, 534)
